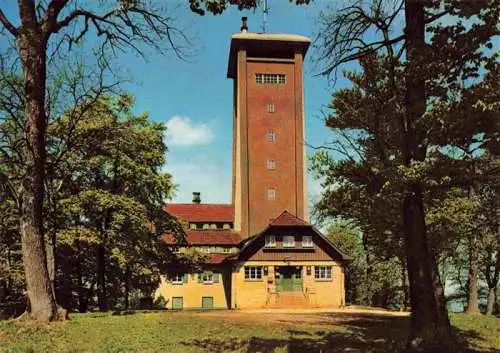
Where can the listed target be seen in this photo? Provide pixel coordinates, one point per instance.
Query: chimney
(244, 27)
(196, 197)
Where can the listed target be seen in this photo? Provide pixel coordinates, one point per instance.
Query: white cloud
(212, 179)
(181, 131)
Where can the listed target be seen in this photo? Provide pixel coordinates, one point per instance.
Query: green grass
(232, 332)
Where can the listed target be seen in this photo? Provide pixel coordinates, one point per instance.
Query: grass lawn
(234, 331)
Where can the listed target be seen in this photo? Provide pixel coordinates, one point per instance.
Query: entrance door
(207, 303)
(177, 303)
(288, 278)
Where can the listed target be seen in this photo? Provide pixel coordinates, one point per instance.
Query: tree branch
(7, 24)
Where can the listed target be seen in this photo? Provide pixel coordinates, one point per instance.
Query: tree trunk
(32, 52)
(430, 329)
(127, 287)
(472, 297)
(404, 284)
(492, 300)
(101, 278)
(492, 281)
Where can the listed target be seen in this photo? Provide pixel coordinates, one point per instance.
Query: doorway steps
(296, 300)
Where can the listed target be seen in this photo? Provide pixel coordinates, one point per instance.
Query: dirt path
(313, 317)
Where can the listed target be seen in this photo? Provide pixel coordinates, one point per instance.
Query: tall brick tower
(268, 128)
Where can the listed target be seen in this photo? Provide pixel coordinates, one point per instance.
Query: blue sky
(194, 98)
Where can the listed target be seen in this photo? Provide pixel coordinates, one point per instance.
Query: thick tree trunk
(430, 328)
(492, 300)
(101, 279)
(32, 52)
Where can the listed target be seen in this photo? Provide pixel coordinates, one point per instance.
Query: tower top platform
(265, 45)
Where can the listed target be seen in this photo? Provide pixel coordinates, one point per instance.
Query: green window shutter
(216, 277)
(185, 278)
(200, 277)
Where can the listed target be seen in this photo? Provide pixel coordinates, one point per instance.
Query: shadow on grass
(337, 333)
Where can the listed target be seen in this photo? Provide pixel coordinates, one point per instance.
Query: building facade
(259, 251)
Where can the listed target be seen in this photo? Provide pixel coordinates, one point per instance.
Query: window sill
(323, 279)
(253, 280)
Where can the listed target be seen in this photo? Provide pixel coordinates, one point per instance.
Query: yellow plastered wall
(255, 294)
(192, 292)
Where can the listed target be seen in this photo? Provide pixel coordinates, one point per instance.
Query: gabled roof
(206, 237)
(288, 219)
(202, 212)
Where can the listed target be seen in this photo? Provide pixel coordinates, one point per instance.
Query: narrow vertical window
(271, 136)
(271, 108)
(271, 194)
(271, 164)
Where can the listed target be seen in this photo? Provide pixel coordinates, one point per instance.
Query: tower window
(271, 136)
(271, 108)
(279, 79)
(271, 194)
(271, 164)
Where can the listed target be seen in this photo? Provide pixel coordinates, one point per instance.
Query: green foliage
(369, 280)
(217, 7)
(365, 175)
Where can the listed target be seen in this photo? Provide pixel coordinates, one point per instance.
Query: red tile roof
(217, 258)
(288, 219)
(207, 237)
(203, 212)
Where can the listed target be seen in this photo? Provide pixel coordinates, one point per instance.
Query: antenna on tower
(265, 11)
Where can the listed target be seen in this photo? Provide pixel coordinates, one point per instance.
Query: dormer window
(307, 241)
(270, 241)
(289, 241)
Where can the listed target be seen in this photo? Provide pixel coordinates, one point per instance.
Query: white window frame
(271, 194)
(192, 226)
(177, 279)
(226, 250)
(289, 241)
(270, 78)
(323, 273)
(206, 226)
(271, 164)
(270, 241)
(205, 249)
(208, 278)
(271, 107)
(253, 273)
(309, 243)
(271, 136)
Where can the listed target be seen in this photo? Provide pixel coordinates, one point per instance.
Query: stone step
(288, 300)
